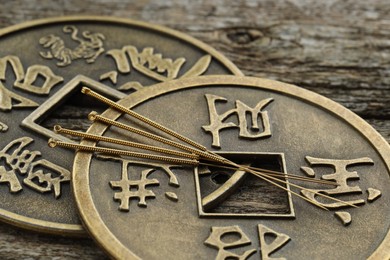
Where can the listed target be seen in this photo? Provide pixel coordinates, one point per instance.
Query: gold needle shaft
(294, 185)
(53, 143)
(93, 116)
(295, 176)
(213, 155)
(272, 180)
(60, 130)
(115, 105)
(276, 174)
(269, 178)
(313, 191)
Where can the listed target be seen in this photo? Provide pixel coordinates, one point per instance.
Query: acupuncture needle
(119, 107)
(61, 130)
(53, 143)
(213, 155)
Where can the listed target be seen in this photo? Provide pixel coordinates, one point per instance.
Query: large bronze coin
(43, 65)
(151, 209)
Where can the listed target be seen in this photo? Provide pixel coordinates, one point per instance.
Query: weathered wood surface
(340, 49)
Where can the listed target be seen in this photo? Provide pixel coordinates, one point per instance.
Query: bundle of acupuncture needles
(191, 153)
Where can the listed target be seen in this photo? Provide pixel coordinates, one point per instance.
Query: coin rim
(74, 229)
(81, 189)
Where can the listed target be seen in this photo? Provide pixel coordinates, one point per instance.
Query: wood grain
(340, 49)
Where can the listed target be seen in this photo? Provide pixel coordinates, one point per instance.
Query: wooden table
(340, 49)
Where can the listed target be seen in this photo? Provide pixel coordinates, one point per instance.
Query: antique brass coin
(43, 65)
(332, 169)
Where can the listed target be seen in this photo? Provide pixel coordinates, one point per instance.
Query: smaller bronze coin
(43, 65)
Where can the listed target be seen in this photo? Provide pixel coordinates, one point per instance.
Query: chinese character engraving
(50, 80)
(344, 217)
(89, 47)
(172, 196)
(15, 158)
(111, 75)
(24, 81)
(215, 241)
(3, 127)
(340, 175)
(252, 131)
(140, 191)
(149, 59)
(152, 65)
(44, 177)
(9, 177)
(219, 240)
(8, 98)
(279, 241)
(373, 194)
(131, 188)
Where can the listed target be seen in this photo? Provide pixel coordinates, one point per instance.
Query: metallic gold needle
(148, 121)
(311, 191)
(115, 105)
(277, 174)
(268, 175)
(94, 116)
(269, 178)
(218, 158)
(53, 143)
(60, 130)
(272, 173)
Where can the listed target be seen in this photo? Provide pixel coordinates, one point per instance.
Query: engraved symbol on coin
(41, 174)
(215, 241)
(373, 194)
(217, 121)
(140, 187)
(24, 81)
(152, 65)
(89, 47)
(3, 127)
(342, 177)
(146, 57)
(218, 236)
(134, 185)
